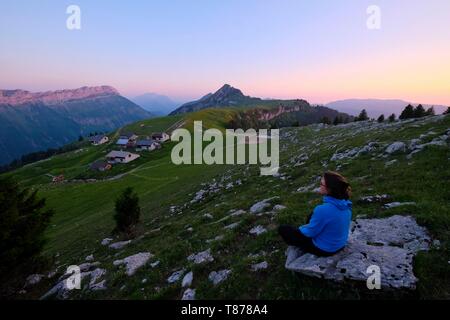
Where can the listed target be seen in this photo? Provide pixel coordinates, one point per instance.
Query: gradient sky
(318, 50)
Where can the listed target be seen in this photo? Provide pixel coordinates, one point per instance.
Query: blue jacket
(329, 225)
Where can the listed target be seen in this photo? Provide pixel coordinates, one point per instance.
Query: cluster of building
(126, 141)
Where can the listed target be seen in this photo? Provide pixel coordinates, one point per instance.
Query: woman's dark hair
(337, 185)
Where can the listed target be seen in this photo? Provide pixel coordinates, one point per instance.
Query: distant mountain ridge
(376, 107)
(17, 97)
(31, 122)
(224, 97)
(155, 103)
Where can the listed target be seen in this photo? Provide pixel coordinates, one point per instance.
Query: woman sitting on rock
(328, 226)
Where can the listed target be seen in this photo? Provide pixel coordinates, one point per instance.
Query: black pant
(293, 237)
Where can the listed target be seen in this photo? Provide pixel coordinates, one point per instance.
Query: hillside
(32, 122)
(189, 209)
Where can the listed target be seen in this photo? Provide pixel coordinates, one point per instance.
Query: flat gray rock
(187, 280)
(217, 277)
(261, 205)
(189, 294)
(389, 243)
(396, 147)
(258, 230)
(134, 262)
(175, 277)
(201, 257)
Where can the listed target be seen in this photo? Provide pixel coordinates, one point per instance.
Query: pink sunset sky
(317, 50)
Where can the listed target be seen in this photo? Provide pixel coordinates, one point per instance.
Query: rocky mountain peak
(18, 97)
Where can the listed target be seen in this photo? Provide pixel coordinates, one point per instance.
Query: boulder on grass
(389, 243)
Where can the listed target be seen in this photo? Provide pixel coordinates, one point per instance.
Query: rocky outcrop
(17, 97)
(389, 243)
(134, 262)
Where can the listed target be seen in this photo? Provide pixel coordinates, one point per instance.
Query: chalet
(147, 144)
(121, 157)
(127, 140)
(100, 165)
(160, 136)
(98, 140)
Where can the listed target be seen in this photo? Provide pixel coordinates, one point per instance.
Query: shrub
(128, 212)
(23, 220)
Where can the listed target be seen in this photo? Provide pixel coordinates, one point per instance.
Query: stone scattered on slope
(217, 277)
(389, 243)
(260, 266)
(262, 253)
(201, 257)
(89, 258)
(390, 163)
(375, 199)
(279, 207)
(94, 284)
(106, 241)
(33, 280)
(98, 286)
(398, 204)
(154, 264)
(208, 216)
(88, 265)
(174, 277)
(396, 147)
(134, 262)
(61, 289)
(258, 230)
(218, 238)
(308, 188)
(189, 294)
(119, 245)
(232, 226)
(355, 152)
(262, 205)
(187, 280)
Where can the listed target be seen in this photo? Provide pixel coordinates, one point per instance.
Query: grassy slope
(84, 215)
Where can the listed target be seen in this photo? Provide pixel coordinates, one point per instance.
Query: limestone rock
(134, 262)
(201, 257)
(106, 241)
(174, 277)
(33, 279)
(258, 230)
(396, 147)
(187, 280)
(217, 277)
(279, 207)
(231, 226)
(375, 199)
(189, 294)
(119, 245)
(261, 205)
(398, 204)
(389, 243)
